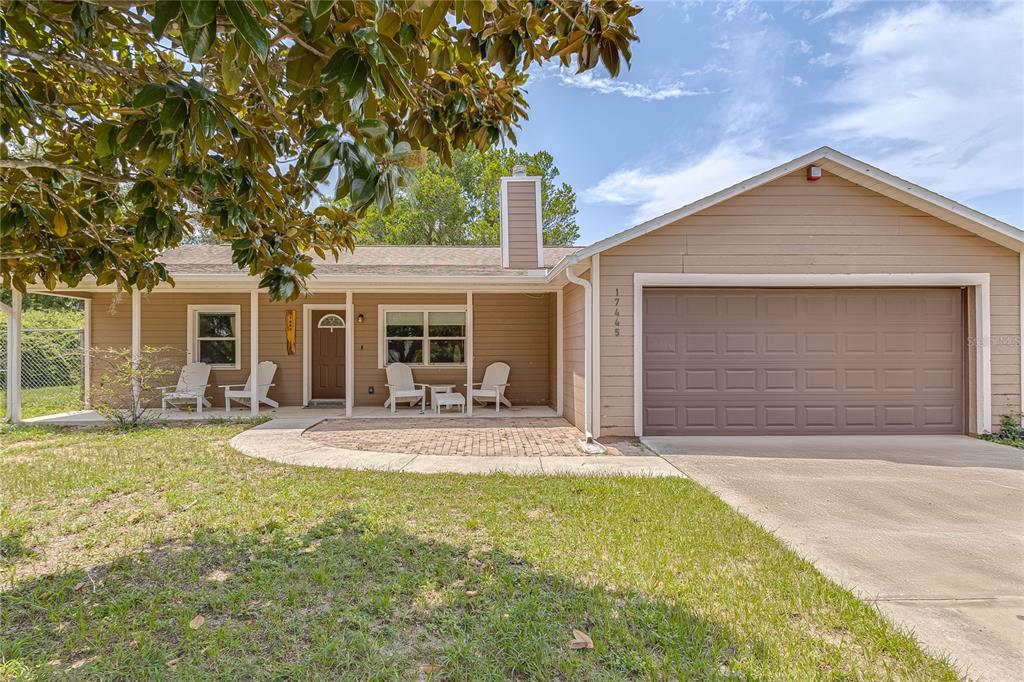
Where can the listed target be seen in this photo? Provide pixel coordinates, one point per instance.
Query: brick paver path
(537, 437)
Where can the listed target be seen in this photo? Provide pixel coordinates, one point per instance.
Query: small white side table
(449, 399)
(439, 389)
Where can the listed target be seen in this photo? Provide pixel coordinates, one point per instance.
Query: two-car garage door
(802, 361)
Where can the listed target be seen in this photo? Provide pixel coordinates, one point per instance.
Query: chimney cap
(518, 171)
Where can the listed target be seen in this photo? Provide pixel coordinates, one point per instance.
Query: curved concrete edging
(281, 440)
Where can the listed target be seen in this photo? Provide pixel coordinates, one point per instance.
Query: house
(823, 296)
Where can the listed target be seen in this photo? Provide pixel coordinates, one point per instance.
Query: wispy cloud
(797, 81)
(922, 89)
(747, 114)
(615, 86)
(653, 192)
(837, 7)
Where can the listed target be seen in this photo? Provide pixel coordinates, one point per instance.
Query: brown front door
(802, 361)
(328, 358)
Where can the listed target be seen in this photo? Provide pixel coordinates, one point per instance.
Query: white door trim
(307, 339)
(981, 335)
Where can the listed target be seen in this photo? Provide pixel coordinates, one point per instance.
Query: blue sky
(932, 92)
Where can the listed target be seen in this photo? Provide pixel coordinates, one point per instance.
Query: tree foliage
(128, 126)
(460, 203)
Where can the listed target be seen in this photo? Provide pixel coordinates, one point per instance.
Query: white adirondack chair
(492, 388)
(402, 387)
(190, 389)
(265, 376)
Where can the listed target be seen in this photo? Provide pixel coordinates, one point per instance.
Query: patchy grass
(36, 402)
(115, 543)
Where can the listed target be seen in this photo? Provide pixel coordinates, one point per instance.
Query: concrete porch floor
(93, 418)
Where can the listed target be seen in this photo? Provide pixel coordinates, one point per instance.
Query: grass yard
(163, 553)
(36, 402)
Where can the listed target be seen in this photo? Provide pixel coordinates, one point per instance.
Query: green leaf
(371, 127)
(432, 16)
(230, 71)
(199, 13)
(319, 7)
(389, 23)
(250, 29)
(475, 15)
(341, 62)
(149, 95)
(164, 12)
(102, 145)
(173, 115)
(198, 41)
(261, 8)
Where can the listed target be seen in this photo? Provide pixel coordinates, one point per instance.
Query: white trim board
(307, 317)
(383, 308)
(190, 330)
(978, 280)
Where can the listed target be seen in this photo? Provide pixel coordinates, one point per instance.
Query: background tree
(129, 126)
(460, 203)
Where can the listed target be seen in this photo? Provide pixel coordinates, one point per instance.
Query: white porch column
(136, 343)
(350, 354)
(595, 336)
(469, 353)
(87, 355)
(254, 348)
(559, 352)
(14, 359)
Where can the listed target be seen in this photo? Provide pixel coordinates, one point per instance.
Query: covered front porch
(331, 349)
(214, 414)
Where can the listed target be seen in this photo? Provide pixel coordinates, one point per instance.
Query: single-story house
(824, 296)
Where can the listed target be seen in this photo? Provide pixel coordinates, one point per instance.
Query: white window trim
(191, 330)
(382, 350)
(980, 281)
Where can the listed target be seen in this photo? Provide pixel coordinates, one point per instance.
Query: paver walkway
(289, 441)
(477, 437)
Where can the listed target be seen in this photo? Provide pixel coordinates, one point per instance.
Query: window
(213, 331)
(423, 337)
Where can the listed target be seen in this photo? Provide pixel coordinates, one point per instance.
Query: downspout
(587, 443)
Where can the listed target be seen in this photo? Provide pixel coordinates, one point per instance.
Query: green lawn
(115, 542)
(36, 402)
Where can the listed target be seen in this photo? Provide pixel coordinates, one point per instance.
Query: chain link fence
(52, 371)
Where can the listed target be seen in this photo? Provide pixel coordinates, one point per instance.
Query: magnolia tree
(271, 125)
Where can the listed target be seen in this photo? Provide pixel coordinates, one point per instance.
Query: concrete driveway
(931, 528)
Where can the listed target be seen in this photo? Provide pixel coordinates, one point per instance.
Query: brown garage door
(786, 361)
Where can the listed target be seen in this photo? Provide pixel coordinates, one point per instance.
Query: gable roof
(850, 169)
(418, 261)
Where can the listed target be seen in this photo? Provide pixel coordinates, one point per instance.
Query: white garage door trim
(978, 280)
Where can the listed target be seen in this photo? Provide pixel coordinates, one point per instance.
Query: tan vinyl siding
(164, 326)
(513, 328)
(573, 340)
(367, 373)
(522, 224)
(793, 226)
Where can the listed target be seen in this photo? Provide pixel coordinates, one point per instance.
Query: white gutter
(587, 444)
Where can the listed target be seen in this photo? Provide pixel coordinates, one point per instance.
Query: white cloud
(797, 81)
(648, 93)
(802, 46)
(655, 193)
(934, 94)
(748, 113)
(837, 7)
